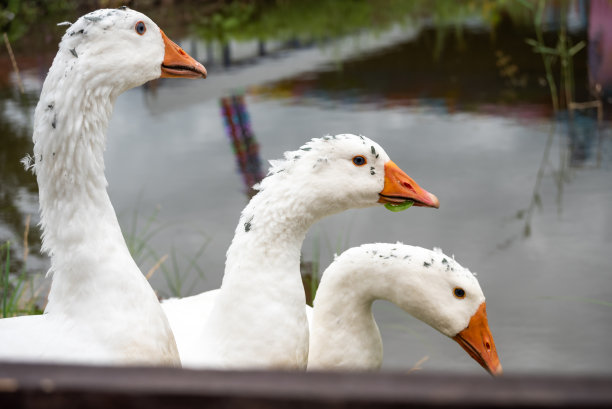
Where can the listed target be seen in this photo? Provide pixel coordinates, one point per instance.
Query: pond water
(525, 199)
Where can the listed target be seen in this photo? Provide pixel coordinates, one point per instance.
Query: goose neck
(69, 141)
(80, 230)
(343, 307)
(346, 312)
(271, 230)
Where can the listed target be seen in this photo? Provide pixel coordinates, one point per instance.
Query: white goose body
(427, 284)
(257, 318)
(101, 309)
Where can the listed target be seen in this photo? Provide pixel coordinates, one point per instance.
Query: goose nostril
(408, 186)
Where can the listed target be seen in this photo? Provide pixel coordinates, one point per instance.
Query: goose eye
(140, 28)
(459, 293)
(359, 160)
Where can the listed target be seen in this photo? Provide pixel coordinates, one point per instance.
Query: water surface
(525, 199)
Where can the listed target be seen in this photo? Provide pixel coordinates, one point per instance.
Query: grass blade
(6, 279)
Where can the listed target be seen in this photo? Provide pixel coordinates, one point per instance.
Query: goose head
(433, 288)
(124, 49)
(345, 171)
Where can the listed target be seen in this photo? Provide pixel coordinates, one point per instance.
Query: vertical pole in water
(261, 48)
(227, 55)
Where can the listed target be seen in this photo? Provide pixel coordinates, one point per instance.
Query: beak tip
(498, 371)
(435, 201)
(202, 70)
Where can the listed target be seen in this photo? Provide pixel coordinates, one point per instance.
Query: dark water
(525, 199)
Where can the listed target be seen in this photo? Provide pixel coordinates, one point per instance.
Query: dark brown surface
(60, 386)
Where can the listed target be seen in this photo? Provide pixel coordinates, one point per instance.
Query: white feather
(101, 309)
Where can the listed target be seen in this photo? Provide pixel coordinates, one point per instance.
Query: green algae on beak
(399, 207)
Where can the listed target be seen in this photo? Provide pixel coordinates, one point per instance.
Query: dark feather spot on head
(373, 150)
(426, 264)
(444, 261)
(50, 106)
(372, 172)
(54, 122)
(73, 51)
(94, 19)
(306, 148)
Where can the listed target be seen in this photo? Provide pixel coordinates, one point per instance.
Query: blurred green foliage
(322, 19)
(18, 16)
(316, 20)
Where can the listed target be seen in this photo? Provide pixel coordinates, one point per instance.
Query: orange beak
(399, 187)
(477, 341)
(178, 64)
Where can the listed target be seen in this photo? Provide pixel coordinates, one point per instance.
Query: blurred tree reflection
(17, 186)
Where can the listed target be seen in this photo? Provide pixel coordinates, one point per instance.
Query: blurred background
(501, 108)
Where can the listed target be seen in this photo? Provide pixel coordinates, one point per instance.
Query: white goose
(101, 308)
(257, 317)
(427, 284)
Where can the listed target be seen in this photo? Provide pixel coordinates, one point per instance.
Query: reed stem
(14, 61)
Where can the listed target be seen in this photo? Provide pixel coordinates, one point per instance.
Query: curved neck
(80, 229)
(343, 307)
(268, 237)
(261, 301)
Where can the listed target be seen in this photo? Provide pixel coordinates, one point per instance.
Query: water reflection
(242, 139)
(485, 76)
(585, 141)
(18, 189)
(467, 112)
